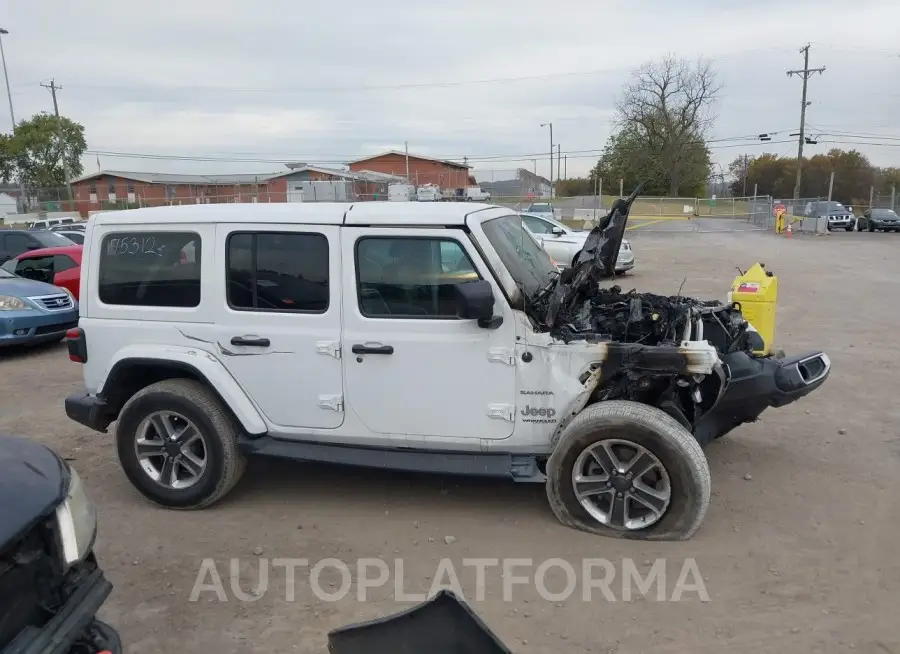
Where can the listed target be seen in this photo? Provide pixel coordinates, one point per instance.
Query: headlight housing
(12, 303)
(76, 518)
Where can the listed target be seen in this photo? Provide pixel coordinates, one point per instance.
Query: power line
(805, 73)
(385, 87)
(326, 159)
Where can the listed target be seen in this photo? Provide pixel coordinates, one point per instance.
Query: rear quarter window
(158, 269)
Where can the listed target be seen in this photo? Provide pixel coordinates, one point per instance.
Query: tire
(663, 437)
(849, 228)
(224, 463)
(871, 227)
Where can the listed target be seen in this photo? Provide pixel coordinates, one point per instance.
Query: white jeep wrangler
(434, 337)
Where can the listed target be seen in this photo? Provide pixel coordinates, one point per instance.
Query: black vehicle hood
(33, 482)
(596, 259)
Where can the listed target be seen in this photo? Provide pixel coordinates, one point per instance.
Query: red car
(59, 266)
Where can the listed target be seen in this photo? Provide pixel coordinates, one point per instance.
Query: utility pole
(565, 166)
(550, 125)
(406, 148)
(12, 117)
(805, 74)
(62, 144)
(745, 171)
(558, 160)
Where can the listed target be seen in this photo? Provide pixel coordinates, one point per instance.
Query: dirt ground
(797, 551)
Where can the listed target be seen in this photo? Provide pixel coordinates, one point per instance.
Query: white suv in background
(434, 337)
(564, 243)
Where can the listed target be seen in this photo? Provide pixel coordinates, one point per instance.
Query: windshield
(831, 206)
(884, 213)
(543, 208)
(51, 239)
(527, 262)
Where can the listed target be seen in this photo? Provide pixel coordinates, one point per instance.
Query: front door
(411, 366)
(279, 328)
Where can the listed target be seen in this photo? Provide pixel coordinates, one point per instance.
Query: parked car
(14, 242)
(836, 214)
(518, 370)
(884, 219)
(563, 243)
(51, 585)
(49, 223)
(69, 227)
(58, 266)
(429, 193)
(76, 236)
(33, 312)
(540, 209)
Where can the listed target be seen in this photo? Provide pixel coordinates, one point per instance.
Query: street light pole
(12, 113)
(550, 125)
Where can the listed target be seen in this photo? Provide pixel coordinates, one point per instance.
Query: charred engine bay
(575, 307)
(648, 319)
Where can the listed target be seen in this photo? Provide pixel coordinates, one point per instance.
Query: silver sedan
(563, 243)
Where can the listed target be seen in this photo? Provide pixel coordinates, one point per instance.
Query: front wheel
(628, 470)
(178, 445)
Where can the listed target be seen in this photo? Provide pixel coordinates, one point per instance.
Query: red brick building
(422, 170)
(118, 189)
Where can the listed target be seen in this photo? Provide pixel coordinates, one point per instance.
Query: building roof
(452, 164)
(240, 178)
(177, 178)
(317, 213)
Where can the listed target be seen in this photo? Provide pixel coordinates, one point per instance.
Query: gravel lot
(796, 551)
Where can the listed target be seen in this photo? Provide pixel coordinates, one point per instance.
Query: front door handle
(250, 341)
(372, 349)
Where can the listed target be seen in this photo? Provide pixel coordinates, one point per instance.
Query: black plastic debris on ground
(442, 625)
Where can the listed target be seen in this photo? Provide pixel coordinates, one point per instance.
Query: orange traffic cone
(787, 233)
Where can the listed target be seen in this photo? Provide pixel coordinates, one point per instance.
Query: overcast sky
(328, 82)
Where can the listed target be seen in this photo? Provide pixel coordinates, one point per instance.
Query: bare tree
(668, 106)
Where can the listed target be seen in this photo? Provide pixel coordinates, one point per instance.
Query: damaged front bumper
(753, 384)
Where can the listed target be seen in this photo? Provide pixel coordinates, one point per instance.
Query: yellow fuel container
(757, 292)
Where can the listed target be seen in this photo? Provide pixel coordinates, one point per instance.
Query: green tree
(739, 170)
(629, 156)
(34, 152)
(664, 116)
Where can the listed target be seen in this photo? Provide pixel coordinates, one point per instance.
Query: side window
(16, 244)
(63, 262)
(536, 225)
(277, 271)
(38, 268)
(410, 277)
(150, 269)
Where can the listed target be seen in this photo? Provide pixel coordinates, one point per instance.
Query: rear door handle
(372, 349)
(250, 341)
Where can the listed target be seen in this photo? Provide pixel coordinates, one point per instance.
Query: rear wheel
(178, 445)
(627, 470)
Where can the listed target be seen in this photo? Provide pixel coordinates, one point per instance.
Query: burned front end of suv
(51, 585)
(691, 358)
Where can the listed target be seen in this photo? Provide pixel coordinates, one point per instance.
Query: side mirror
(558, 231)
(475, 301)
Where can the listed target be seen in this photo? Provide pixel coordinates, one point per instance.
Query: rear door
(279, 325)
